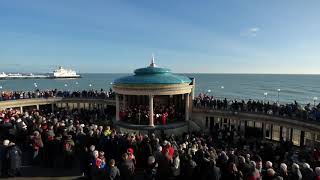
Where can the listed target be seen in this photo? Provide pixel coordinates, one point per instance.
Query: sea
(264, 87)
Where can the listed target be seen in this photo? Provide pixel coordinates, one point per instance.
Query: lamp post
(35, 86)
(90, 85)
(209, 91)
(265, 96)
(36, 89)
(66, 85)
(314, 101)
(222, 87)
(1, 93)
(278, 95)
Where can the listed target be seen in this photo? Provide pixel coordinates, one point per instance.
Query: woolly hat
(19, 120)
(283, 166)
(317, 170)
(130, 150)
(305, 165)
(151, 160)
(6, 142)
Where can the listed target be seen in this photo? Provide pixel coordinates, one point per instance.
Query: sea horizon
(300, 87)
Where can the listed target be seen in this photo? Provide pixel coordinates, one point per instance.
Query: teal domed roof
(153, 75)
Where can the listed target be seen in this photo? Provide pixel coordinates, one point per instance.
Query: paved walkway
(29, 172)
(39, 173)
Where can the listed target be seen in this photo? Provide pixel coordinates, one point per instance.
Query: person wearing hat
(283, 171)
(114, 172)
(295, 173)
(307, 172)
(317, 171)
(48, 153)
(68, 146)
(13, 156)
(3, 159)
(150, 172)
(127, 168)
(36, 144)
(131, 155)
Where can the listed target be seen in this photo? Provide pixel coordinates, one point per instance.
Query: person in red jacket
(168, 150)
(164, 118)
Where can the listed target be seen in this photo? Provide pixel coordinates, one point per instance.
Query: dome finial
(153, 64)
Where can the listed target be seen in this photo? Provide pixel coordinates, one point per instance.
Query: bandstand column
(187, 106)
(52, 107)
(264, 132)
(117, 108)
(21, 109)
(313, 139)
(151, 123)
(124, 102)
(193, 88)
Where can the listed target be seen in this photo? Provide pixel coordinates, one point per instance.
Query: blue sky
(208, 36)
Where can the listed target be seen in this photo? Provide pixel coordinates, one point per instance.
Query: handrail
(49, 100)
(315, 125)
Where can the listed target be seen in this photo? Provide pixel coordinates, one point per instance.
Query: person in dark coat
(57, 151)
(307, 172)
(126, 168)
(283, 171)
(37, 145)
(190, 168)
(14, 160)
(244, 167)
(317, 172)
(114, 173)
(68, 151)
(214, 173)
(3, 159)
(146, 151)
(296, 173)
(233, 173)
(150, 173)
(175, 167)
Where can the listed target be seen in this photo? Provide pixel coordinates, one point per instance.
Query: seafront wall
(267, 127)
(275, 128)
(72, 103)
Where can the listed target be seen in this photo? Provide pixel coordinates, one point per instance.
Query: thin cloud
(9, 65)
(251, 32)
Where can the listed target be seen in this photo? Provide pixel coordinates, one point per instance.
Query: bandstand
(162, 101)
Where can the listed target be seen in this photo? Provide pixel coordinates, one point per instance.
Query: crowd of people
(292, 110)
(73, 139)
(167, 113)
(162, 114)
(60, 139)
(13, 95)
